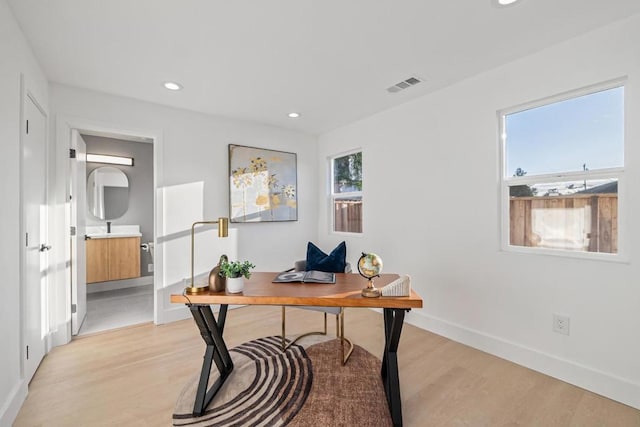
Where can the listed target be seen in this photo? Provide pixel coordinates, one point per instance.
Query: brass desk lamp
(223, 231)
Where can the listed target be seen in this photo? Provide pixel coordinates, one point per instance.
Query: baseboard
(173, 314)
(599, 382)
(181, 312)
(119, 284)
(61, 335)
(48, 343)
(12, 405)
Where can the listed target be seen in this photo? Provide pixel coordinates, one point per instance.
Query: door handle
(44, 247)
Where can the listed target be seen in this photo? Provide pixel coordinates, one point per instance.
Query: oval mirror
(107, 193)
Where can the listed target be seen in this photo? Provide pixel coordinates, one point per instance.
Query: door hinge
(73, 231)
(27, 352)
(27, 127)
(26, 240)
(74, 308)
(72, 153)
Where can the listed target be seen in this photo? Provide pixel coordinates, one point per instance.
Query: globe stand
(371, 291)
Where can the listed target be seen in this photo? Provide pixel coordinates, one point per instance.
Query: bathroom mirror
(107, 193)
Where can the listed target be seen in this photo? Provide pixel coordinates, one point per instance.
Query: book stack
(398, 288)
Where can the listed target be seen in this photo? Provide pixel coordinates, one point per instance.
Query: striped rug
(267, 387)
(305, 386)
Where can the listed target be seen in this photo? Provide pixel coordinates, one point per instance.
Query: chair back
(301, 265)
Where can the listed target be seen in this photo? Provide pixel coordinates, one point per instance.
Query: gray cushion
(300, 266)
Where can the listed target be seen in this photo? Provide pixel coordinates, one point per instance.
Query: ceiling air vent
(411, 81)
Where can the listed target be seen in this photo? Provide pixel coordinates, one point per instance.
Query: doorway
(114, 224)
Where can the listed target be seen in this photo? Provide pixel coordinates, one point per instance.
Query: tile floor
(118, 308)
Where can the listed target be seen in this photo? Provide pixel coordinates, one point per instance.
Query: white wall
(16, 58)
(432, 166)
(194, 149)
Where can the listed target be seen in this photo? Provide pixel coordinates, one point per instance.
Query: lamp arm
(223, 224)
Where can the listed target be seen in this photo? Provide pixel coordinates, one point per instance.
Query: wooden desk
(259, 290)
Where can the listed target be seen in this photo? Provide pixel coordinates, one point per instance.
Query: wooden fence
(583, 222)
(347, 215)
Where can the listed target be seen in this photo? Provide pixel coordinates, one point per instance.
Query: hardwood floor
(132, 376)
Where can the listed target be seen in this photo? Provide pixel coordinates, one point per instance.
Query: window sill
(346, 234)
(590, 256)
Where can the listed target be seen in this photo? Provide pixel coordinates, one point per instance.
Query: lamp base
(192, 290)
(371, 292)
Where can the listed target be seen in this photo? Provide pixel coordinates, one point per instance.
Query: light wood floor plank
(132, 377)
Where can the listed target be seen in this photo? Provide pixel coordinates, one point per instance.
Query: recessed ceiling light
(506, 2)
(172, 85)
(294, 115)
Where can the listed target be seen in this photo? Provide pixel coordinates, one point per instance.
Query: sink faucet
(108, 226)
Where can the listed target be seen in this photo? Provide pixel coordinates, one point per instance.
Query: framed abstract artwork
(262, 185)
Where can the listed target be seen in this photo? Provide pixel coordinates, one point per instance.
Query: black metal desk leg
(216, 351)
(393, 321)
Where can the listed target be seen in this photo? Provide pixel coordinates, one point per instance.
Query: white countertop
(100, 231)
(113, 235)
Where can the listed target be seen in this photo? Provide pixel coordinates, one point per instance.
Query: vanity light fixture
(172, 85)
(506, 2)
(294, 115)
(111, 160)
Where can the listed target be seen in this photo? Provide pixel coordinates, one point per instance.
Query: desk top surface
(346, 292)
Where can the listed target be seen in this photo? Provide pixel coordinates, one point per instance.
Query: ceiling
(258, 60)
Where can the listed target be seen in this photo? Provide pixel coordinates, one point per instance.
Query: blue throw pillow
(333, 263)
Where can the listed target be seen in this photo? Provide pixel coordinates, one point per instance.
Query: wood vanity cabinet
(113, 259)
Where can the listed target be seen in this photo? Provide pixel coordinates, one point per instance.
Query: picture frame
(263, 185)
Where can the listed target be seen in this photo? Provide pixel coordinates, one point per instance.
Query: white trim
(25, 95)
(64, 126)
(565, 253)
(11, 408)
(603, 383)
(21, 225)
(507, 181)
(336, 196)
(564, 176)
(346, 194)
(347, 234)
(570, 94)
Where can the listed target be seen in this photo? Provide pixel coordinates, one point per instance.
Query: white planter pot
(235, 284)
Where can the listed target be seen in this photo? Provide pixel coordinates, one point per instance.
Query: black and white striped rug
(266, 388)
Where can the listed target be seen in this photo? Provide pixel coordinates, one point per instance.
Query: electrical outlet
(561, 324)
(150, 268)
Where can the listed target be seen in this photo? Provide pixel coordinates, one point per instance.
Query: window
(346, 192)
(562, 162)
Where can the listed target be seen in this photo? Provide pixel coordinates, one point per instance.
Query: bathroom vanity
(114, 255)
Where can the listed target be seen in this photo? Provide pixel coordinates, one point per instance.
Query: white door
(78, 205)
(34, 277)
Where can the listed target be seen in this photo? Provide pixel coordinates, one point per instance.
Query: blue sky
(563, 136)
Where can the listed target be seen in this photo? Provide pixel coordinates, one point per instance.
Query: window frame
(337, 196)
(506, 181)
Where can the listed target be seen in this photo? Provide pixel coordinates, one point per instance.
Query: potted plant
(235, 272)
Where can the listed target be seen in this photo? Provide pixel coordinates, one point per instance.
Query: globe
(369, 265)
